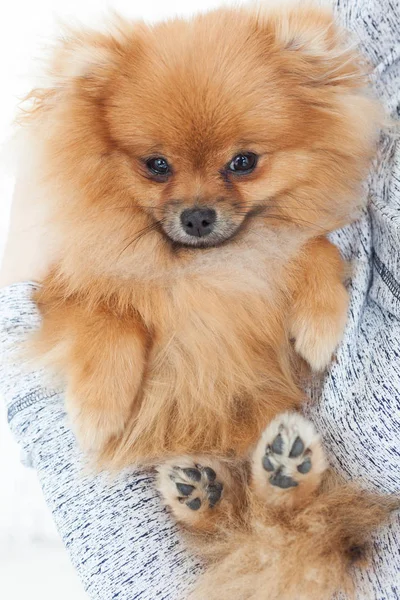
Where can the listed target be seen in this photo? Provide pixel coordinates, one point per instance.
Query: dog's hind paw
(288, 461)
(194, 487)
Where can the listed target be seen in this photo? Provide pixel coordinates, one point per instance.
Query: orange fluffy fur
(167, 348)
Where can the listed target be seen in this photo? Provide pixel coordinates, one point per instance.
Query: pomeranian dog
(194, 169)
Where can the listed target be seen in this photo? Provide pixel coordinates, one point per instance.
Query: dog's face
(206, 121)
(204, 127)
(199, 127)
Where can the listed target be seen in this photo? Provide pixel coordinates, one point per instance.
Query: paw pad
(196, 485)
(297, 448)
(305, 466)
(283, 481)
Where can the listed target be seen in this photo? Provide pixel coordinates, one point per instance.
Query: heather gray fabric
(119, 538)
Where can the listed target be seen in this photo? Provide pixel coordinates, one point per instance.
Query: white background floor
(33, 563)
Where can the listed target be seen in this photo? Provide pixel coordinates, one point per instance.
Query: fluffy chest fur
(214, 330)
(218, 346)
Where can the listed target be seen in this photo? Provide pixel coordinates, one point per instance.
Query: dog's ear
(305, 28)
(79, 66)
(314, 45)
(86, 58)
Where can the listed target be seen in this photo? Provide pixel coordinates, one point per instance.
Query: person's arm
(120, 539)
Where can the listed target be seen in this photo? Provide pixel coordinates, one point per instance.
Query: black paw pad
(305, 466)
(297, 448)
(267, 464)
(282, 481)
(277, 445)
(214, 492)
(184, 488)
(193, 474)
(194, 504)
(210, 474)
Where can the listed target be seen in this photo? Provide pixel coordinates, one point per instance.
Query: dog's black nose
(198, 221)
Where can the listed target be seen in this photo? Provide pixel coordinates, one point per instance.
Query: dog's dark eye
(158, 166)
(243, 163)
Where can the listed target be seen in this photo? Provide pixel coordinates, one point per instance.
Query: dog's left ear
(318, 49)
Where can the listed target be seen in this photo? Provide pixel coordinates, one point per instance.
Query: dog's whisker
(139, 235)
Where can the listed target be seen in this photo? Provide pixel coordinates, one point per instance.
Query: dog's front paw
(317, 342)
(194, 488)
(318, 331)
(288, 460)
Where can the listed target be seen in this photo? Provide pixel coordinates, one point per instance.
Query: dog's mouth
(201, 227)
(211, 240)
